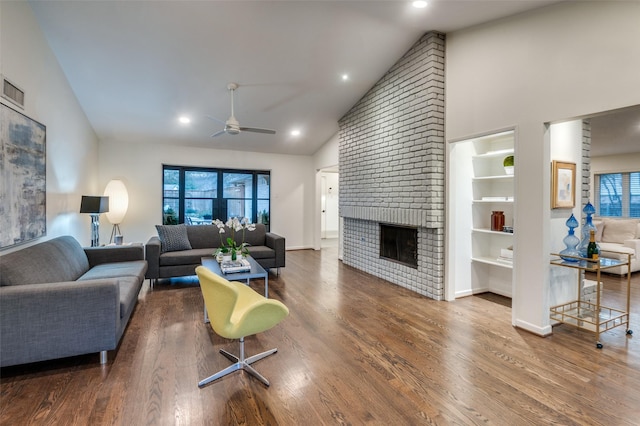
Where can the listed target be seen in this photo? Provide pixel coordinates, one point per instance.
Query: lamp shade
(118, 201)
(90, 204)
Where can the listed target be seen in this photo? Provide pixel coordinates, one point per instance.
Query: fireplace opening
(399, 244)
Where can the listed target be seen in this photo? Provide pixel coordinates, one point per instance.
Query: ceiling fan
(232, 126)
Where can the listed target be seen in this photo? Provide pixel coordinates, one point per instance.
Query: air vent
(12, 93)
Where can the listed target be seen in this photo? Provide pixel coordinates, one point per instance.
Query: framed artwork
(23, 175)
(563, 182)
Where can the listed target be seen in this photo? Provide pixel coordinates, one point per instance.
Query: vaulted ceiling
(136, 66)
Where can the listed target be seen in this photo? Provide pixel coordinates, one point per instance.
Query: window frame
(627, 187)
(219, 203)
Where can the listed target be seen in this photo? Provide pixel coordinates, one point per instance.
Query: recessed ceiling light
(184, 120)
(419, 4)
(295, 132)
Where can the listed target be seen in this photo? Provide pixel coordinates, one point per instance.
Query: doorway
(329, 212)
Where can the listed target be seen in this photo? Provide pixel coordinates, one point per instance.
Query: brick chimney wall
(392, 168)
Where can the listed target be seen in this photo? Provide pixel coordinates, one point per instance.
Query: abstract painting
(22, 178)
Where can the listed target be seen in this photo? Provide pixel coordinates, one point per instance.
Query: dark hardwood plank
(355, 349)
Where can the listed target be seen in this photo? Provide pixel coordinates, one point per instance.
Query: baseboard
(299, 248)
(531, 328)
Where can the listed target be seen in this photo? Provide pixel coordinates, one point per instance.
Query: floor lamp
(94, 206)
(118, 205)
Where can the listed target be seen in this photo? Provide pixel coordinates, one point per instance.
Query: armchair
(236, 311)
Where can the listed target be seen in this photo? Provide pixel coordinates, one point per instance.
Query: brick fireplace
(392, 168)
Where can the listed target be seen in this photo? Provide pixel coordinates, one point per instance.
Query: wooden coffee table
(256, 271)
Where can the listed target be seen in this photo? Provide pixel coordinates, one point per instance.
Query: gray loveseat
(58, 299)
(180, 258)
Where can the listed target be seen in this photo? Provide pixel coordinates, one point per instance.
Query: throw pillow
(599, 224)
(619, 230)
(173, 237)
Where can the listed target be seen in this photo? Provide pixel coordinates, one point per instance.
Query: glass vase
(588, 210)
(571, 241)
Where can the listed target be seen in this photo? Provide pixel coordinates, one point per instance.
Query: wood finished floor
(354, 350)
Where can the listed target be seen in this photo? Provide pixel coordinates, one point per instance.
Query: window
(197, 196)
(618, 194)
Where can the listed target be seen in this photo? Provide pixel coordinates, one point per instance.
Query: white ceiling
(135, 66)
(616, 132)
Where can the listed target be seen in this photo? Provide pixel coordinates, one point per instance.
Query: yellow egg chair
(236, 311)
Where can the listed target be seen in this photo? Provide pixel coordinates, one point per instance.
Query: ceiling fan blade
(215, 119)
(220, 133)
(257, 130)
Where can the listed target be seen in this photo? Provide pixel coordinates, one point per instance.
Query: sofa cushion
(129, 289)
(204, 236)
(135, 268)
(185, 257)
(57, 260)
(173, 237)
(619, 230)
(599, 224)
(616, 251)
(261, 252)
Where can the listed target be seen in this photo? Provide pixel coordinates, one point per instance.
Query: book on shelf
(506, 256)
(233, 266)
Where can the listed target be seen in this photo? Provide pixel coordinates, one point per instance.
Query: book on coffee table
(233, 266)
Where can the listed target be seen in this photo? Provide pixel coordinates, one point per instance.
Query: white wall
(139, 166)
(566, 60)
(27, 61)
(615, 164)
(566, 146)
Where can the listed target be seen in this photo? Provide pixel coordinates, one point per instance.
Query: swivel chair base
(241, 363)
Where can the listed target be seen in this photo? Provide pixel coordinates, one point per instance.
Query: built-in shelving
(480, 185)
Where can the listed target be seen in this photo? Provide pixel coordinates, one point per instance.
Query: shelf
(582, 314)
(587, 265)
(489, 231)
(497, 177)
(492, 261)
(493, 201)
(498, 153)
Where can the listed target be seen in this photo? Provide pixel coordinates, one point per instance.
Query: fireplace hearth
(399, 244)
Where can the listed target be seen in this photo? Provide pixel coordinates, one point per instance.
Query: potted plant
(230, 246)
(508, 164)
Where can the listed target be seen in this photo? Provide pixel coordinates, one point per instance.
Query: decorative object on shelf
(118, 205)
(571, 241)
(94, 206)
(588, 210)
(508, 164)
(563, 182)
(230, 245)
(593, 252)
(497, 220)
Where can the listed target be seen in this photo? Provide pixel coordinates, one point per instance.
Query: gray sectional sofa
(189, 243)
(58, 299)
